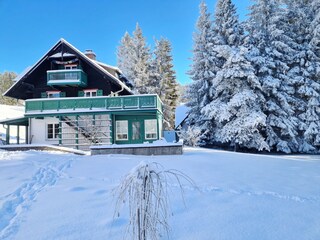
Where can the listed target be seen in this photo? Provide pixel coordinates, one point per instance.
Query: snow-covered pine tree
(163, 80)
(141, 60)
(125, 57)
(270, 51)
(202, 72)
(311, 91)
(235, 107)
(304, 69)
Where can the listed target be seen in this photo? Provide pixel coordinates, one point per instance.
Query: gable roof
(95, 64)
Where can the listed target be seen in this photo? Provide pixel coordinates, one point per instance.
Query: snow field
(50, 195)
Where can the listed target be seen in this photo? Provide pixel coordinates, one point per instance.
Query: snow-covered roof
(181, 113)
(97, 65)
(59, 55)
(9, 112)
(108, 66)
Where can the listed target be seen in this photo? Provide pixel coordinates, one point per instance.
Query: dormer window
(90, 92)
(53, 94)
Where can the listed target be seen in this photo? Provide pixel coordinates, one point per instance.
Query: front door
(136, 131)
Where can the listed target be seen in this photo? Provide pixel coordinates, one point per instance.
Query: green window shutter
(43, 95)
(99, 92)
(81, 94)
(62, 94)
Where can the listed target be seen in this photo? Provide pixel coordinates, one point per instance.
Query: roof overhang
(23, 121)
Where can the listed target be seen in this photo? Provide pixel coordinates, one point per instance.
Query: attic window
(71, 66)
(53, 94)
(90, 92)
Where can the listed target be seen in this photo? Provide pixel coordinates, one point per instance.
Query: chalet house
(73, 100)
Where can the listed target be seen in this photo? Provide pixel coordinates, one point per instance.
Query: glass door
(136, 135)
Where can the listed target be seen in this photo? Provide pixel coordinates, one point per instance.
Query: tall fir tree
(236, 104)
(304, 70)
(134, 59)
(202, 72)
(270, 51)
(125, 56)
(163, 80)
(141, 61)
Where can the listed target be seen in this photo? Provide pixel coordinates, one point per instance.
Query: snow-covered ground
(49, 195)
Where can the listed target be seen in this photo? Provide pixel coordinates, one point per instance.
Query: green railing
(74, 77)
(123, 103)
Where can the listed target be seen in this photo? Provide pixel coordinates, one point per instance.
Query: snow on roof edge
(97, 65)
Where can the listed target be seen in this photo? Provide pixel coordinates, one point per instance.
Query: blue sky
(30, 28)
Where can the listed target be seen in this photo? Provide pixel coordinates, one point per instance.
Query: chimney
(90, 54)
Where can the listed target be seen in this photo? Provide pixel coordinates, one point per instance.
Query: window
(90, 93)
(53, 131)
(150, 129)
(70, 66)
(122, 130)
(53, 94)
(71, 75)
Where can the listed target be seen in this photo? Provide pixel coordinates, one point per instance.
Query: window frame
(146, 132)
(91, 91)
(122, 133)
(55, 131)
(53, 93)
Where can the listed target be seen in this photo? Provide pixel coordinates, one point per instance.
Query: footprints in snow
(21, 199)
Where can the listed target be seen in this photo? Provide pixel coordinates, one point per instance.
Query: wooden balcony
(71, 77)
(54, 106)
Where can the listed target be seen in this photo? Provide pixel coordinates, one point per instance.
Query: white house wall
(38, 130)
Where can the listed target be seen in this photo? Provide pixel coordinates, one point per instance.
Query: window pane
(151, 129)
(50, 131)
(56, 131)
(135, 130)
(122, 130)
(94, 94)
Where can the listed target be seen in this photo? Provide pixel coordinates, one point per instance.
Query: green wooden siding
(131, 119)
(122, 103)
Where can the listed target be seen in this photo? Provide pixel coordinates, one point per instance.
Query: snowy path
(21, 199)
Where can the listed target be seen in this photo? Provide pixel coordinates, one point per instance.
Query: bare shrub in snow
(145, 191)
(190, 136)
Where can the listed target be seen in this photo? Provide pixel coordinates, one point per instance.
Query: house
(73, 100)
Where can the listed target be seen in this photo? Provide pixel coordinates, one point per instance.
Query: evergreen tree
(270, 51)
(236, 104)
(141, 61)
(125, 56)
(134, 59)
(6, 81)
(163, 80)
(202, 72)
(304, 69)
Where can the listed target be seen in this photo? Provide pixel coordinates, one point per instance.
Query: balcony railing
(88, 104)
(74, 77)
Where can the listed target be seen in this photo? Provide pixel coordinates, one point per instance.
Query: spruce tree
(270, 51)
(304, 69)
(202, 72)
(141, 61)
(236, 104)
(125, 57)
(163, 80)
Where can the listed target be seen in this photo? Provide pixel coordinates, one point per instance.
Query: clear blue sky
(30, 28)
